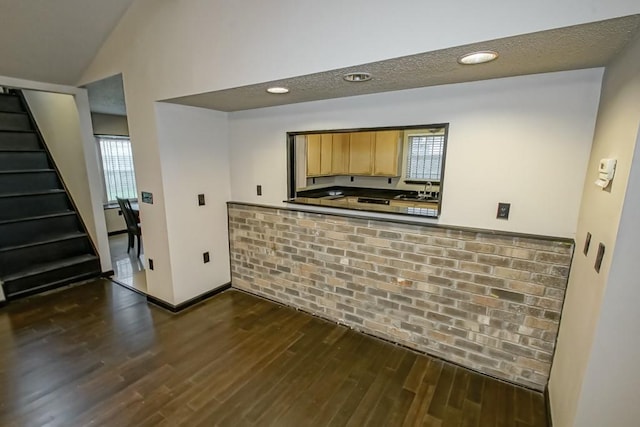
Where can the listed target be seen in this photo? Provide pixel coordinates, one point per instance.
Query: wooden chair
(131, 219)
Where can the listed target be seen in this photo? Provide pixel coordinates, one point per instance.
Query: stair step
(20, 205)
(22, 257)
(44, 276)
(49, 266)
(10, 103)
(24, 160)
(32, 193)
(12, 182)
(42, 240)
(12, 140)
(43, 243)
(15, 121)
(24, 230)
(38, 217)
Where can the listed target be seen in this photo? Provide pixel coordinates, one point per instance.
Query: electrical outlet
(259, 190)
(150, 264)
(200, 199)
(205, 257)
(503, 210)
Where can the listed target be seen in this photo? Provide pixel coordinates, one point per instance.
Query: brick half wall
(489, 302)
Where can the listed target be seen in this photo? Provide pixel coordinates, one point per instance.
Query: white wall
(592, 299)
(109, 124)
(193, 144)
(59, 122)
(523, 140)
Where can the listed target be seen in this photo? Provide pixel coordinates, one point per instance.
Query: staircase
(43, 242)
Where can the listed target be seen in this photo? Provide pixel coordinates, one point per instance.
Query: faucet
(423, 194)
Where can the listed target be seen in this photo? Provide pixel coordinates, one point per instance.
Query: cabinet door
(360, 153)
(325, 153)
(313, 155)
(340, 154)
(385, 157)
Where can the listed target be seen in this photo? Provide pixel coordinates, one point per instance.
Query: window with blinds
(424, 160)
(117, 166)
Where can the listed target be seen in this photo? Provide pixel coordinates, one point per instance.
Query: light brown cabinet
(361, 153)
(356, 153)
(325, 154)
(340, 154)
(313, 155)
(385, 153)
(319, 154)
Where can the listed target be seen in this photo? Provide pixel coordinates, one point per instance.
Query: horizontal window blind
(424, 160)
(117, 165)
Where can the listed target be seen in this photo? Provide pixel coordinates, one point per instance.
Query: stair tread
(51, 239)
(34, 193)
(37, 217)
(17, 131)
(27, 171)
(39, 150)
(49, 266)
(14, 112)
(51, 285)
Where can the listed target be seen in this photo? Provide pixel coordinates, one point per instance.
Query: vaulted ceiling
(54, 41)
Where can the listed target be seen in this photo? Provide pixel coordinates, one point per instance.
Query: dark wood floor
(97, 354)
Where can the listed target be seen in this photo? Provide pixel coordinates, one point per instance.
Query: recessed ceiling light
(478, 57)
(357, 77)
(277, 89)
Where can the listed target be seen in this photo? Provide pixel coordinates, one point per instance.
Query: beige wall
(76, 157)
(495, 152)
(109, 124)
(615, 137)
(115, 221)
(195, 143)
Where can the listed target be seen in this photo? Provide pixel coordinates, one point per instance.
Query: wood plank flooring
(98, 354)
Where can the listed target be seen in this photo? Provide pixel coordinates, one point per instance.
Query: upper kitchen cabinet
(326, 156)
(361, 153)
(313, 155)
(340, 154)
(386, 153)
(319, 154)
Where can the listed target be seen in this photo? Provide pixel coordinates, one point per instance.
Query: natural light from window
(117, 165)
(424, 161)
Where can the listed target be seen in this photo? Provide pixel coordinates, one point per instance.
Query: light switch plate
(599, 257)
(200, 199)
(587, 243)
(503, 210)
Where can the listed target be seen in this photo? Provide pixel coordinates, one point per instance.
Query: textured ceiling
(107, 96)
(55, 40)
(570, 48)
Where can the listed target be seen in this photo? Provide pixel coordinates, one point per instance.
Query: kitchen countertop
(343, 198)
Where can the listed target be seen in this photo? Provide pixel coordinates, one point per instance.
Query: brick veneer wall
(488, 302)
